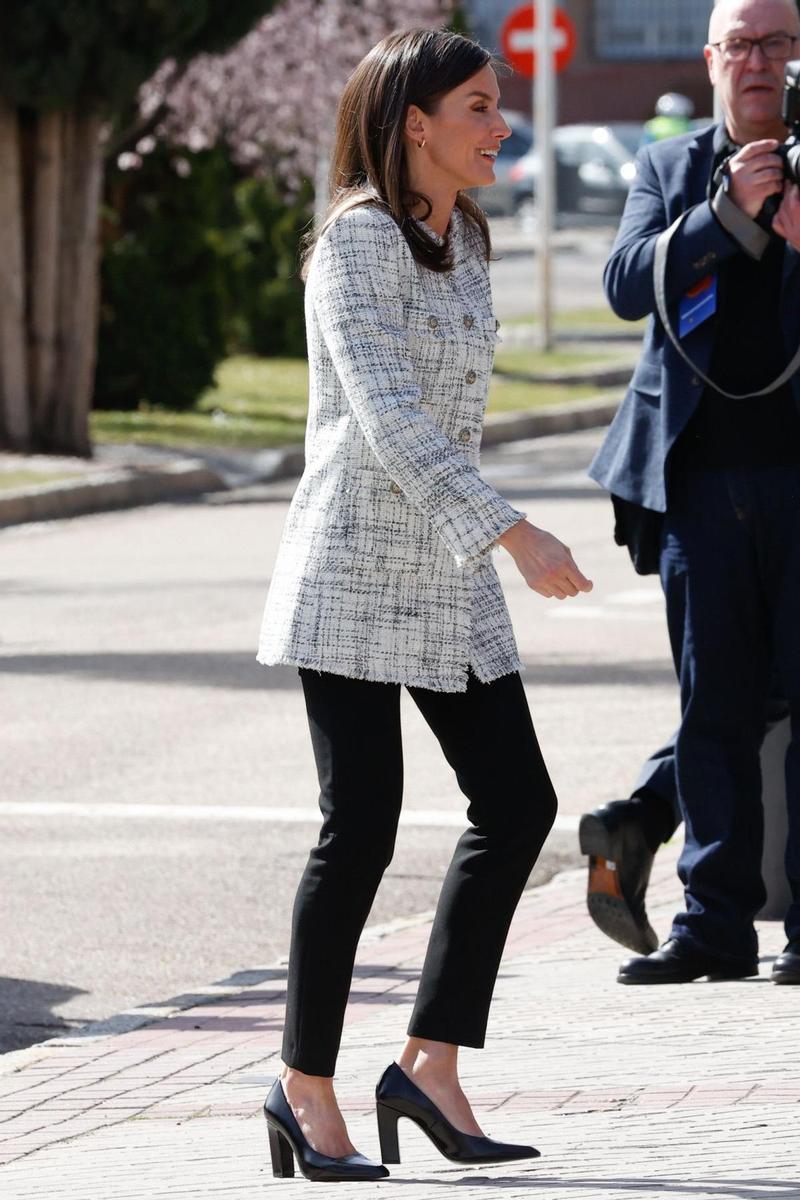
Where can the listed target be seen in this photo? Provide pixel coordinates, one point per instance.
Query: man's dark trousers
(730, 568)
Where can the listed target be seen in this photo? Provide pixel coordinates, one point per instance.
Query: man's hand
(756, 173)
(787, 218)
(544, 562)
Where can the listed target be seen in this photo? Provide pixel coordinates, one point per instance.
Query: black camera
(790, 115)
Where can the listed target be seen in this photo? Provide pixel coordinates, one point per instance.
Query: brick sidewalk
(629, 1092)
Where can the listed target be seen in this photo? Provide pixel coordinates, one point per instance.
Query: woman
(384, 579)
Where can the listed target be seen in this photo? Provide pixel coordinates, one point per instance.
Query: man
(621, 839)
(673, 116)
(726, 475)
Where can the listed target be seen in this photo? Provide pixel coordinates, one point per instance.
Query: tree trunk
(15, 426)
(51, 173)
(45, 184)
(78, 283)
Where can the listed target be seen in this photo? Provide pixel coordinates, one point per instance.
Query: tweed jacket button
(470, 376)
(382, 562)
(469, 320)
(695, 381)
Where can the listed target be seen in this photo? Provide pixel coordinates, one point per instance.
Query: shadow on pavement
(735, 1189)
(200, 1007)
(198, 668)
(27, 1012)
(194, 667)
(647, 673)
(556, 492)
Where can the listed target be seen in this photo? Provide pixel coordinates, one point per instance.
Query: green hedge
(198, 262)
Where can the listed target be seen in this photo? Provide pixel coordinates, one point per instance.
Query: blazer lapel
(700, 160)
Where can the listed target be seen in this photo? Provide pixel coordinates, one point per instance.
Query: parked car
(594, 170)
(629, 133)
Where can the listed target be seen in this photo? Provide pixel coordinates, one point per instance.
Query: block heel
(387, 1133)
(397, 1096)
(287, 1143)
(280, 1153)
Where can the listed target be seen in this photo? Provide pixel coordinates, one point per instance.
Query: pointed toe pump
(287, 1143)
(398, 1097)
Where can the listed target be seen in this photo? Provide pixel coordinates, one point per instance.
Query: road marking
(636, 596)
(578, 611)
(617, 606)
(421, 817)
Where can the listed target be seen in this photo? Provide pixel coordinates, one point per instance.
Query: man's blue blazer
(672, 178)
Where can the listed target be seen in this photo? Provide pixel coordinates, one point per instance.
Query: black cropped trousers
(488, 739)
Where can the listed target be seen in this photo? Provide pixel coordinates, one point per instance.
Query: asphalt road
(158, 795)
(579, 255)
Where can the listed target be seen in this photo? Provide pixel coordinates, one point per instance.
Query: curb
(600, 377)
(107, 490)
(136, 1018)
(128, 487)
(556, 418)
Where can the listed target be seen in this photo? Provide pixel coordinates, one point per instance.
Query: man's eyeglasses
(775, 46)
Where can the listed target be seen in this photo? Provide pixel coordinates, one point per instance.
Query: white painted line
(576, 610)
(635, 596)
(425, 817)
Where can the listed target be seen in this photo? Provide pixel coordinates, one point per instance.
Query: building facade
(629, 52)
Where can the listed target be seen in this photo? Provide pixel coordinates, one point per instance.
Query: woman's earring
(421, 144)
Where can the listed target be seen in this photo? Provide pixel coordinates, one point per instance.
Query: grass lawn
(515, 395)
(28, 478)
(261, 402)
(583, 318)
(255, 402)
(522, 361)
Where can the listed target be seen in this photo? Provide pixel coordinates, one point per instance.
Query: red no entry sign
(519, 39)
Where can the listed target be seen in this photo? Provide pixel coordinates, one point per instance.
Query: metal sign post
(719, 115)
(544, 95)
(539, 40)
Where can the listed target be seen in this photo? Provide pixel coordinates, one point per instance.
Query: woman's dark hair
(369, 161)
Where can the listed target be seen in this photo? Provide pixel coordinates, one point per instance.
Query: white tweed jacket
(384, 570)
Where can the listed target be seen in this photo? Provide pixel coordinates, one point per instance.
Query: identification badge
(699, 303)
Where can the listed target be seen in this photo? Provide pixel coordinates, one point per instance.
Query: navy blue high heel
(286, 1142)
(397, 1097)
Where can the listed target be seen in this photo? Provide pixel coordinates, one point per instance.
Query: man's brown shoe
(620, 862)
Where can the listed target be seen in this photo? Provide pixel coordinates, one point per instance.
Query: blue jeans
(730, 568)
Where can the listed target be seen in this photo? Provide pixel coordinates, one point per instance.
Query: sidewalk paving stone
(690, 1091)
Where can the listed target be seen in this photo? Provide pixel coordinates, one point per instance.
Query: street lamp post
(544, 97)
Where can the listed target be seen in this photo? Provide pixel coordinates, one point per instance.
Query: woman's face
(462, 137)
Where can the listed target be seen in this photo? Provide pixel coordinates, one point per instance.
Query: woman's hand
(544, 562)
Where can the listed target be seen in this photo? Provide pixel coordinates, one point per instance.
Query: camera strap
(660, 281)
